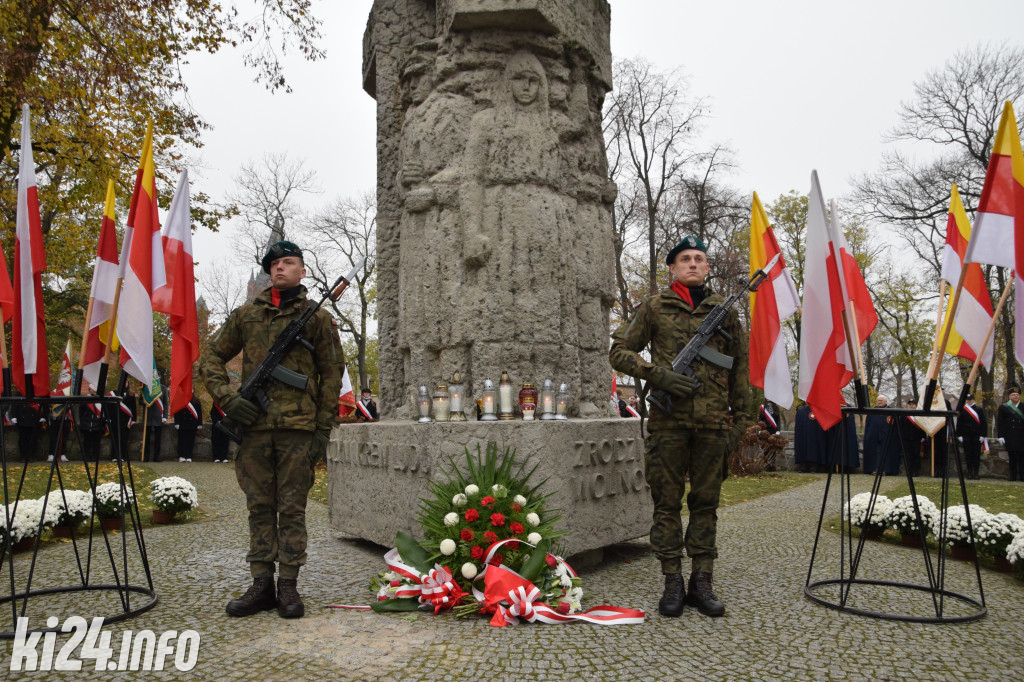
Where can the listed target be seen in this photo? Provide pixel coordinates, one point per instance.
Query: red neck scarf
(683, 292)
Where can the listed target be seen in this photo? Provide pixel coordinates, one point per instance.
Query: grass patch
(736, 489)
(72, 474)
(995, 497)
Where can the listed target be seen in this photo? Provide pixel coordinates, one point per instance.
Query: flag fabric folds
(974, 308)
(856, 297)
(64, 380)
(104, 287)
(825, 365)
(774, 301)
(6, 291)
(144, 271)
(998, 235)
(178, 297)
(28, 339)
(347, 397)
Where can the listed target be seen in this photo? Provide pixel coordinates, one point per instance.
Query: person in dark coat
(218, 439)
(768, 413)
(29, 416)
(971, 431)
(875, 428)
(91, 425)
(121, 417)
(366, 409)
(187, 421)
(60, 422)
(155, 416)
(1010, 429)
(810, 444)
(849, 458)
(911, 437)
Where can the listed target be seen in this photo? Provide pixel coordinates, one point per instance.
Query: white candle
(488, 405)
(528, 412)
(505, 398)
(547, 405)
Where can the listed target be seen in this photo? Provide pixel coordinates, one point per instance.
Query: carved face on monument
(526, 78)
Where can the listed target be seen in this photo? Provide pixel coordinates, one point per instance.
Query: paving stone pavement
(770, 632)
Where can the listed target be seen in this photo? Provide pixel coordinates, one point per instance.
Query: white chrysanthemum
(447, 547)
(520, 500)
(534, 538)
(24, 521)
(468, 570)
(174, 494)
(903, 519)
(993, 533)
(533, 519)
(856, 511)
(499, 491)
(575, 597)
(956, 522)
(451, 519)
(565, 581)
(1015, 552)
(72, 507)
(460, 500)
(472, 490)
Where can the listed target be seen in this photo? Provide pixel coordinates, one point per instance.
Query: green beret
(280, 250)
(690, 242)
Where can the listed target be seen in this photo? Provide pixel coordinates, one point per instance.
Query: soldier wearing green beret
(280, 447)
(704, 427)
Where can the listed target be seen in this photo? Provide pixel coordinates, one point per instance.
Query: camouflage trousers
(670, 457)
(275, 471)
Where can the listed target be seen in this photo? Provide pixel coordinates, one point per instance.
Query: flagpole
(938, 325)
(933, 370)
(988, 335)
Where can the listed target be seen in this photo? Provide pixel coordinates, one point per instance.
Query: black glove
(240, 410)
(679, 385)
(733, 437)
(320, 440)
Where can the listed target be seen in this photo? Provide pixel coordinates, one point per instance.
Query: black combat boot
(671, 603)
(702, 596)
(259, 597)
(289, 603)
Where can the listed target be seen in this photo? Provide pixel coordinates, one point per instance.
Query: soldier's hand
(241, 410)
(321, 438)
(679, 385)
(960, 439)
(1002, 441)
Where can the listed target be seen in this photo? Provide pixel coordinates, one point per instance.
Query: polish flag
(104, 287)
(774, 301)
(178, 297)
(823, 369)
(974, 307)
(347, 398)
(64, 380)
(856, 297)
(998, 236)
(143, 272)
(29, 334)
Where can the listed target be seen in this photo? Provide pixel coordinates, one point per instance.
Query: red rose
(487, 501)
(513, 544)
(563, 607)
(516, 507)
(396, 583)
(496, 560)
(497, 519)
(551, 561)
(490, 537)
(516, 528)
(472, 515)
(467, 535)
(476, 552)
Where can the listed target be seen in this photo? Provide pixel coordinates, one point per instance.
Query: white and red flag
(832, 283)
(178, 297)
(347, 397)
(143, 272)
(998, 236)
(774, 301)
(64, 380)
(104, 288)
(29, 356)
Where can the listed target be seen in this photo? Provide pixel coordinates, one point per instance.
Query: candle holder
(528, 401)
(487, 406)
(506, 409)
(562, 403)
(546, 407)
(442, 403)
(456, 389)
(424, 403)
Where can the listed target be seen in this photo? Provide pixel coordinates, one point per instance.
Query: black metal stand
(120, 558)
(850, 555)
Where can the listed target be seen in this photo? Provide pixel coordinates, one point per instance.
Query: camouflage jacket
(667, 323)
(252, 329)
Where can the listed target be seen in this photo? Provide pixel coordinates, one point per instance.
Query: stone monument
(494, 253)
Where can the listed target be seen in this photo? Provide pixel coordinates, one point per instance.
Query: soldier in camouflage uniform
(275, 462)
(704, 426)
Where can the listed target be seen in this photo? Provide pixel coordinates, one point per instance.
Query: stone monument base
(594, 469)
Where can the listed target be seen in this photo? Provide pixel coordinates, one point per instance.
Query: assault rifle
(697, 349)
(253, 388)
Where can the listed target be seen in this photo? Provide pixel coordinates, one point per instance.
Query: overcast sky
(792, 85)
